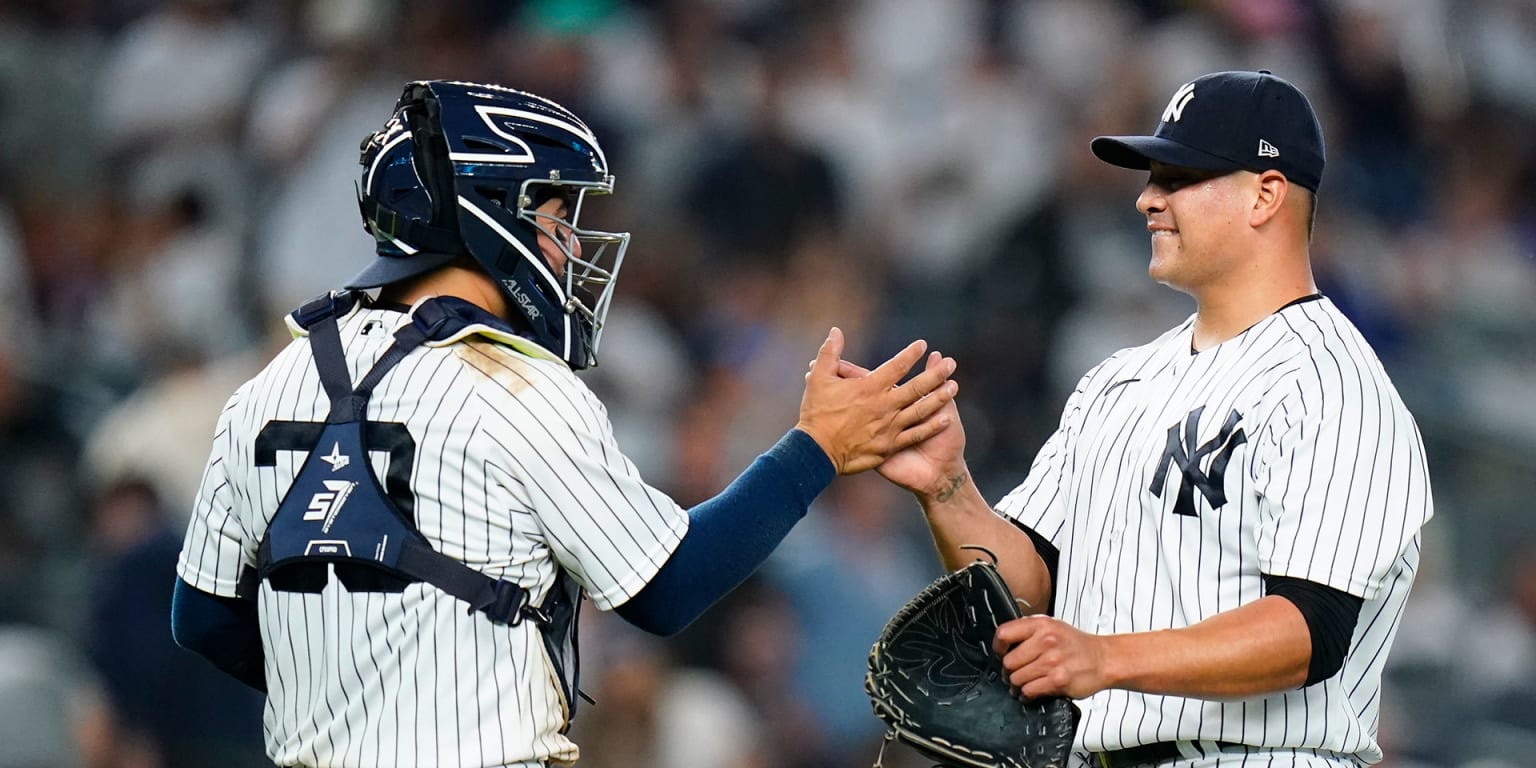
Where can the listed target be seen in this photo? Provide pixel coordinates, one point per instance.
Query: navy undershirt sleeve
(223, 630)
(1049, 555)
(730, 535)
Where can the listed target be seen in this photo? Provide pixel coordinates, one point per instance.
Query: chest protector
(337, 517)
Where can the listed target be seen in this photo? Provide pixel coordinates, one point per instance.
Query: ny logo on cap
(1180, 100)
(1267, 149)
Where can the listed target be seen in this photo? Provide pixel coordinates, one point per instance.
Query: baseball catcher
(935, 681)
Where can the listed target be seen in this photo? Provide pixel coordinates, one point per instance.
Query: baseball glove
(936, 683)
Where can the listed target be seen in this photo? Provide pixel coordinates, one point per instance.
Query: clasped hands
(861, 417)
(910, 431)
(912, 434)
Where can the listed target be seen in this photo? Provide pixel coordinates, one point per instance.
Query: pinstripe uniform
(1177, 478)
(515, 473)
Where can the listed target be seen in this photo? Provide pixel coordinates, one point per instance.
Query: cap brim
(392, 269)
(1138, 152)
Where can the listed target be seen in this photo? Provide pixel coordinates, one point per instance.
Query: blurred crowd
(177, 174)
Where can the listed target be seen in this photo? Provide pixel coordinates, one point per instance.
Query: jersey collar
(460, 320)
(465, 319)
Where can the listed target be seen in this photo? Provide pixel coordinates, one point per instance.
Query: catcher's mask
(459, 170)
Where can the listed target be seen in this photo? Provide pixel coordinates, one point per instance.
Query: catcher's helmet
(459, 169)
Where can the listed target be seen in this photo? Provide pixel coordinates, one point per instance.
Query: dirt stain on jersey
(498, 363)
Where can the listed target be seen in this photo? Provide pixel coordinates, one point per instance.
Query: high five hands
(926, 466)
(860, 419)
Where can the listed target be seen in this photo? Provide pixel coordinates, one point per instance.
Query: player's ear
(1272, 189)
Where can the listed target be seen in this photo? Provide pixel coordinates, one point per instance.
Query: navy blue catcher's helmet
(458, 170)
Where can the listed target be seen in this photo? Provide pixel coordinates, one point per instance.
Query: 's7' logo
(1183, 452)
(326, 504)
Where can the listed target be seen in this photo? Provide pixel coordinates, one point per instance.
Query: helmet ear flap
(430, 156)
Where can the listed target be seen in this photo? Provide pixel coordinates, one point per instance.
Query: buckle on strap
(509, 604)
(430, 318)
(333, 304)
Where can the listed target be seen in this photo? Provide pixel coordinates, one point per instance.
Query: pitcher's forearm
(1260, 648)
(959, 516)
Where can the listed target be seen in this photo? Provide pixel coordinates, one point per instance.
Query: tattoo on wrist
(947, 493)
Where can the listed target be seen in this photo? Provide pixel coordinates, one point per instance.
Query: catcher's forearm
(959, 516)
(730, 535)
(1260, 648)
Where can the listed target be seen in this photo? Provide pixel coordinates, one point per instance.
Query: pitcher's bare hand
(927, 468)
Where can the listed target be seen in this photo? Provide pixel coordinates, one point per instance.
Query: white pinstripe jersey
(515, 473)
(1323, 475)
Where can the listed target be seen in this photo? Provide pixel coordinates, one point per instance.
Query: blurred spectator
(654, 713)
(181, 73)
(339, 43)
(158, 435)
(671, 79)
(52, 711)
(756, 643)
(761, 194)
(759, 324)
(1006, 323)
(959, 191)
(1500, 652)
(1470, 280)
(16, 312)
(50, 58)
(1378, 163)
(1501, 656)
(318, 106)
(859, 555)
(642, 406)
(830, 104)
(172, 709)
(769, 212)
(1498, 45)
(65, 245)
(1426, 701)
(170, 284)
(39, 531)
(1069, 45)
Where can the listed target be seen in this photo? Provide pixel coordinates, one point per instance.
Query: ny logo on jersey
(1181, 450)
(325, 504)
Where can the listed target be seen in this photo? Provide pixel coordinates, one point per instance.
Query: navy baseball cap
(1229, 121)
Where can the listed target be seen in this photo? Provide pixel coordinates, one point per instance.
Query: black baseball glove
(936, 683)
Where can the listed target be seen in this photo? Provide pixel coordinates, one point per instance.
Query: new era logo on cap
(1229, 121)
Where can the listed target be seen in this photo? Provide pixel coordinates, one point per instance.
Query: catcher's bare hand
(858, 422)
(1043, 656)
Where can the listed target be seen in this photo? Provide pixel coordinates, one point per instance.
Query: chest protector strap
(338, 514)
